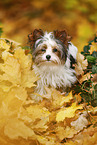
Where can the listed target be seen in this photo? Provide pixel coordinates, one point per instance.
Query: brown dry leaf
(94, 78)
(78, 98)
(81, 64)
(84, 78)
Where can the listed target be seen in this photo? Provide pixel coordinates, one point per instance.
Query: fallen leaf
(67, 112)
(81, 122)
(84, 78)
(16, 128)
(81, 64)
(93, 47)
(38, 112)
(4, 45)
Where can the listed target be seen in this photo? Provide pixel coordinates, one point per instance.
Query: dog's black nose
(48, 57)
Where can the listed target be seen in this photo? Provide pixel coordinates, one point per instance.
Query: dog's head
(49, 48)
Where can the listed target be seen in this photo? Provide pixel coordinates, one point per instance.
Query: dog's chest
(54, 76)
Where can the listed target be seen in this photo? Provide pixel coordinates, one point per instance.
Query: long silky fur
(54, 75)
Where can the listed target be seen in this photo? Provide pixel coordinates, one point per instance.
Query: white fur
(73, 51)
(54, 76)
(46, 37)
(54, 57)
(51, 74)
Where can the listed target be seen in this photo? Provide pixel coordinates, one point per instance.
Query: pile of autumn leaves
(55, 121)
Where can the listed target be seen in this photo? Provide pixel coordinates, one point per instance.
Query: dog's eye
(43, 50)
(55, 50)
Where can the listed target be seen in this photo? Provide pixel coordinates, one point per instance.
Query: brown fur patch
(62, 36)
(37, 33)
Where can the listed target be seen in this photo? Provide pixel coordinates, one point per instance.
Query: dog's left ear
(62, 36)
(37, 33)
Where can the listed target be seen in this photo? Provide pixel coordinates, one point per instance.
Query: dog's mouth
(47, 63)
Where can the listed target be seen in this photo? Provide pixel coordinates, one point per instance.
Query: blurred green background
(20, 17)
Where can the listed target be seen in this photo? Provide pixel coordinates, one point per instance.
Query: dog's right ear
(37, 33)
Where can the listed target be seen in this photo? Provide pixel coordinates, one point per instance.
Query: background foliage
(78, 17)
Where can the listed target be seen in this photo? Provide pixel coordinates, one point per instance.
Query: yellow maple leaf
(17, 70)
(71, 143)
(4, 45)
(67, 132)
(24, 60)
(37, 111)
(12, 71)
(45, 140)
(11, 102)
(67, 112)
(5, 85)
(16, 128)
(59, 99)
(5, 113)
(28, 76)
(40, 125)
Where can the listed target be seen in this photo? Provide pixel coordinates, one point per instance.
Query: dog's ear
(62, 36)
(37, 33)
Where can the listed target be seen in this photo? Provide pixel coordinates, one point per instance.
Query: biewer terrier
(54, 57)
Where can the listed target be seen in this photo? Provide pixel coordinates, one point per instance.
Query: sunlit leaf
(67, 112)
(16, 128)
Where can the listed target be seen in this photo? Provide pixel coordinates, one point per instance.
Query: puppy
(54, 57)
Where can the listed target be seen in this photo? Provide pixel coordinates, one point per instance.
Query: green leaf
(95, 39)
(86, 49)
(86, 97)
(94, 54)
(94, 102)
(90, 42)
(94, 69)
(26, 47)
(90, 58)
(1, 31)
